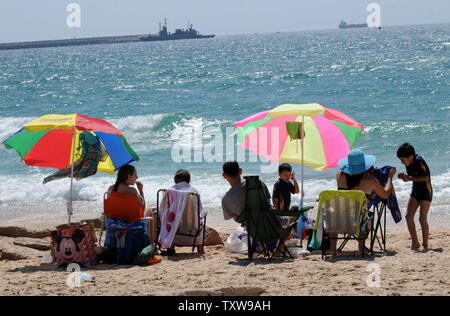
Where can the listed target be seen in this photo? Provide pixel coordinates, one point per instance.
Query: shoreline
(217, 272)
(22, 212)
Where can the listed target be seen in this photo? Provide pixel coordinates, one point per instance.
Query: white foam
(149, 133)
(386, 127)
(10, 125)
(29, 188)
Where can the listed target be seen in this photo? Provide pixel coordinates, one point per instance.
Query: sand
(401, 272)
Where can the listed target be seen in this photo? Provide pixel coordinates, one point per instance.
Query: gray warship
(164, 35)
(344, 25)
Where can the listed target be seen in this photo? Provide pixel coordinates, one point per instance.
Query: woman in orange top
(126, 178)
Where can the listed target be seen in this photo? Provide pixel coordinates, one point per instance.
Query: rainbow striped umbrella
(53, 141)
(328, 135)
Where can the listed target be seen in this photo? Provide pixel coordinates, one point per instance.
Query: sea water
(394, 81)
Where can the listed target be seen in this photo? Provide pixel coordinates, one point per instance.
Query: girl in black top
(421, 195)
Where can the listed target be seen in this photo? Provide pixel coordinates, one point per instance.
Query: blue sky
(22, 20)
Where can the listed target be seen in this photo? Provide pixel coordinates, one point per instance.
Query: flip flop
(168, 252)
(154, 259)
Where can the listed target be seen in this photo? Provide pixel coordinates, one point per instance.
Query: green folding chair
(341, 212)
(261, 222)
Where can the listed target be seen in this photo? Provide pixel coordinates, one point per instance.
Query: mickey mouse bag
(74, 244)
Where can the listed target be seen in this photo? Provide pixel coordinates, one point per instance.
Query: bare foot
(425, 246)
(277, 254)
(415, 247)
(331, 253)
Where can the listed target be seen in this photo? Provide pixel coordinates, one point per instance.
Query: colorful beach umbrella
(53, 141)
(328, 135)
(48, 141)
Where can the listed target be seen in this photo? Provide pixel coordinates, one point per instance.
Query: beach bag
(115, 225)
(130, 243)
(294, 130)
(74, 244)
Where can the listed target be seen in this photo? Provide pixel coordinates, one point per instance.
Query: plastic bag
(297, 252)
(303, 224)
(237, 242)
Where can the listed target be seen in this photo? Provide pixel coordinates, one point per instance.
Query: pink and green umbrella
(329, 135)
(326, 135)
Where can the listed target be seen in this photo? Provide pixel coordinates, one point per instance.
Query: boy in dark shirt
(422, 192)
(283, 188)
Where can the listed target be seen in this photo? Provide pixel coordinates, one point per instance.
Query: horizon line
(222, 35)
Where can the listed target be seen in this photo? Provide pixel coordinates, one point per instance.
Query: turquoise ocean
(394, 81)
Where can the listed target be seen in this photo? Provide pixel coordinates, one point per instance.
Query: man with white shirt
(182, 181)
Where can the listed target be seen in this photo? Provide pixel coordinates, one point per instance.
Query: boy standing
(422, 192)
(283, 188)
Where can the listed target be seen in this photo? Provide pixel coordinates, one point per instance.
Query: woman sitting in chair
(352, 177)
(124, 207)
(182, 180)
(126, 178)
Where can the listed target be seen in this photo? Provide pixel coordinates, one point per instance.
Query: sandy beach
(402, 273)
(302, 82)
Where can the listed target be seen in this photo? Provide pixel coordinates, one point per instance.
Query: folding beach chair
(261, 222)
(379, 208)
(341, 212)
(120, 206)
(378, 231)
(192, 225)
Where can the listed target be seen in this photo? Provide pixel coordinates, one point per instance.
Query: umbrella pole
(69, 206)
(303, 136)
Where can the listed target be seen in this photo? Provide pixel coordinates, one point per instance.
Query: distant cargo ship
(163, 35)
(344, 25)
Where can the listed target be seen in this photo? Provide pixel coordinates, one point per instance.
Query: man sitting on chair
(234, 201)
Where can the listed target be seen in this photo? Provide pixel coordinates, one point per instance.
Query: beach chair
(262, 223)
(378, 231)
(120, 206)
(192, 226)
(128, 235)
(341, 212)
(379, 208)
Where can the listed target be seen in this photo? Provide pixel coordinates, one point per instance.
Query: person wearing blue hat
(352, 176)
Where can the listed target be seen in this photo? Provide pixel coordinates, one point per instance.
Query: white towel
(173, 210)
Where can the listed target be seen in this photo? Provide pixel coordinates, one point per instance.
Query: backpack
(130, 243)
